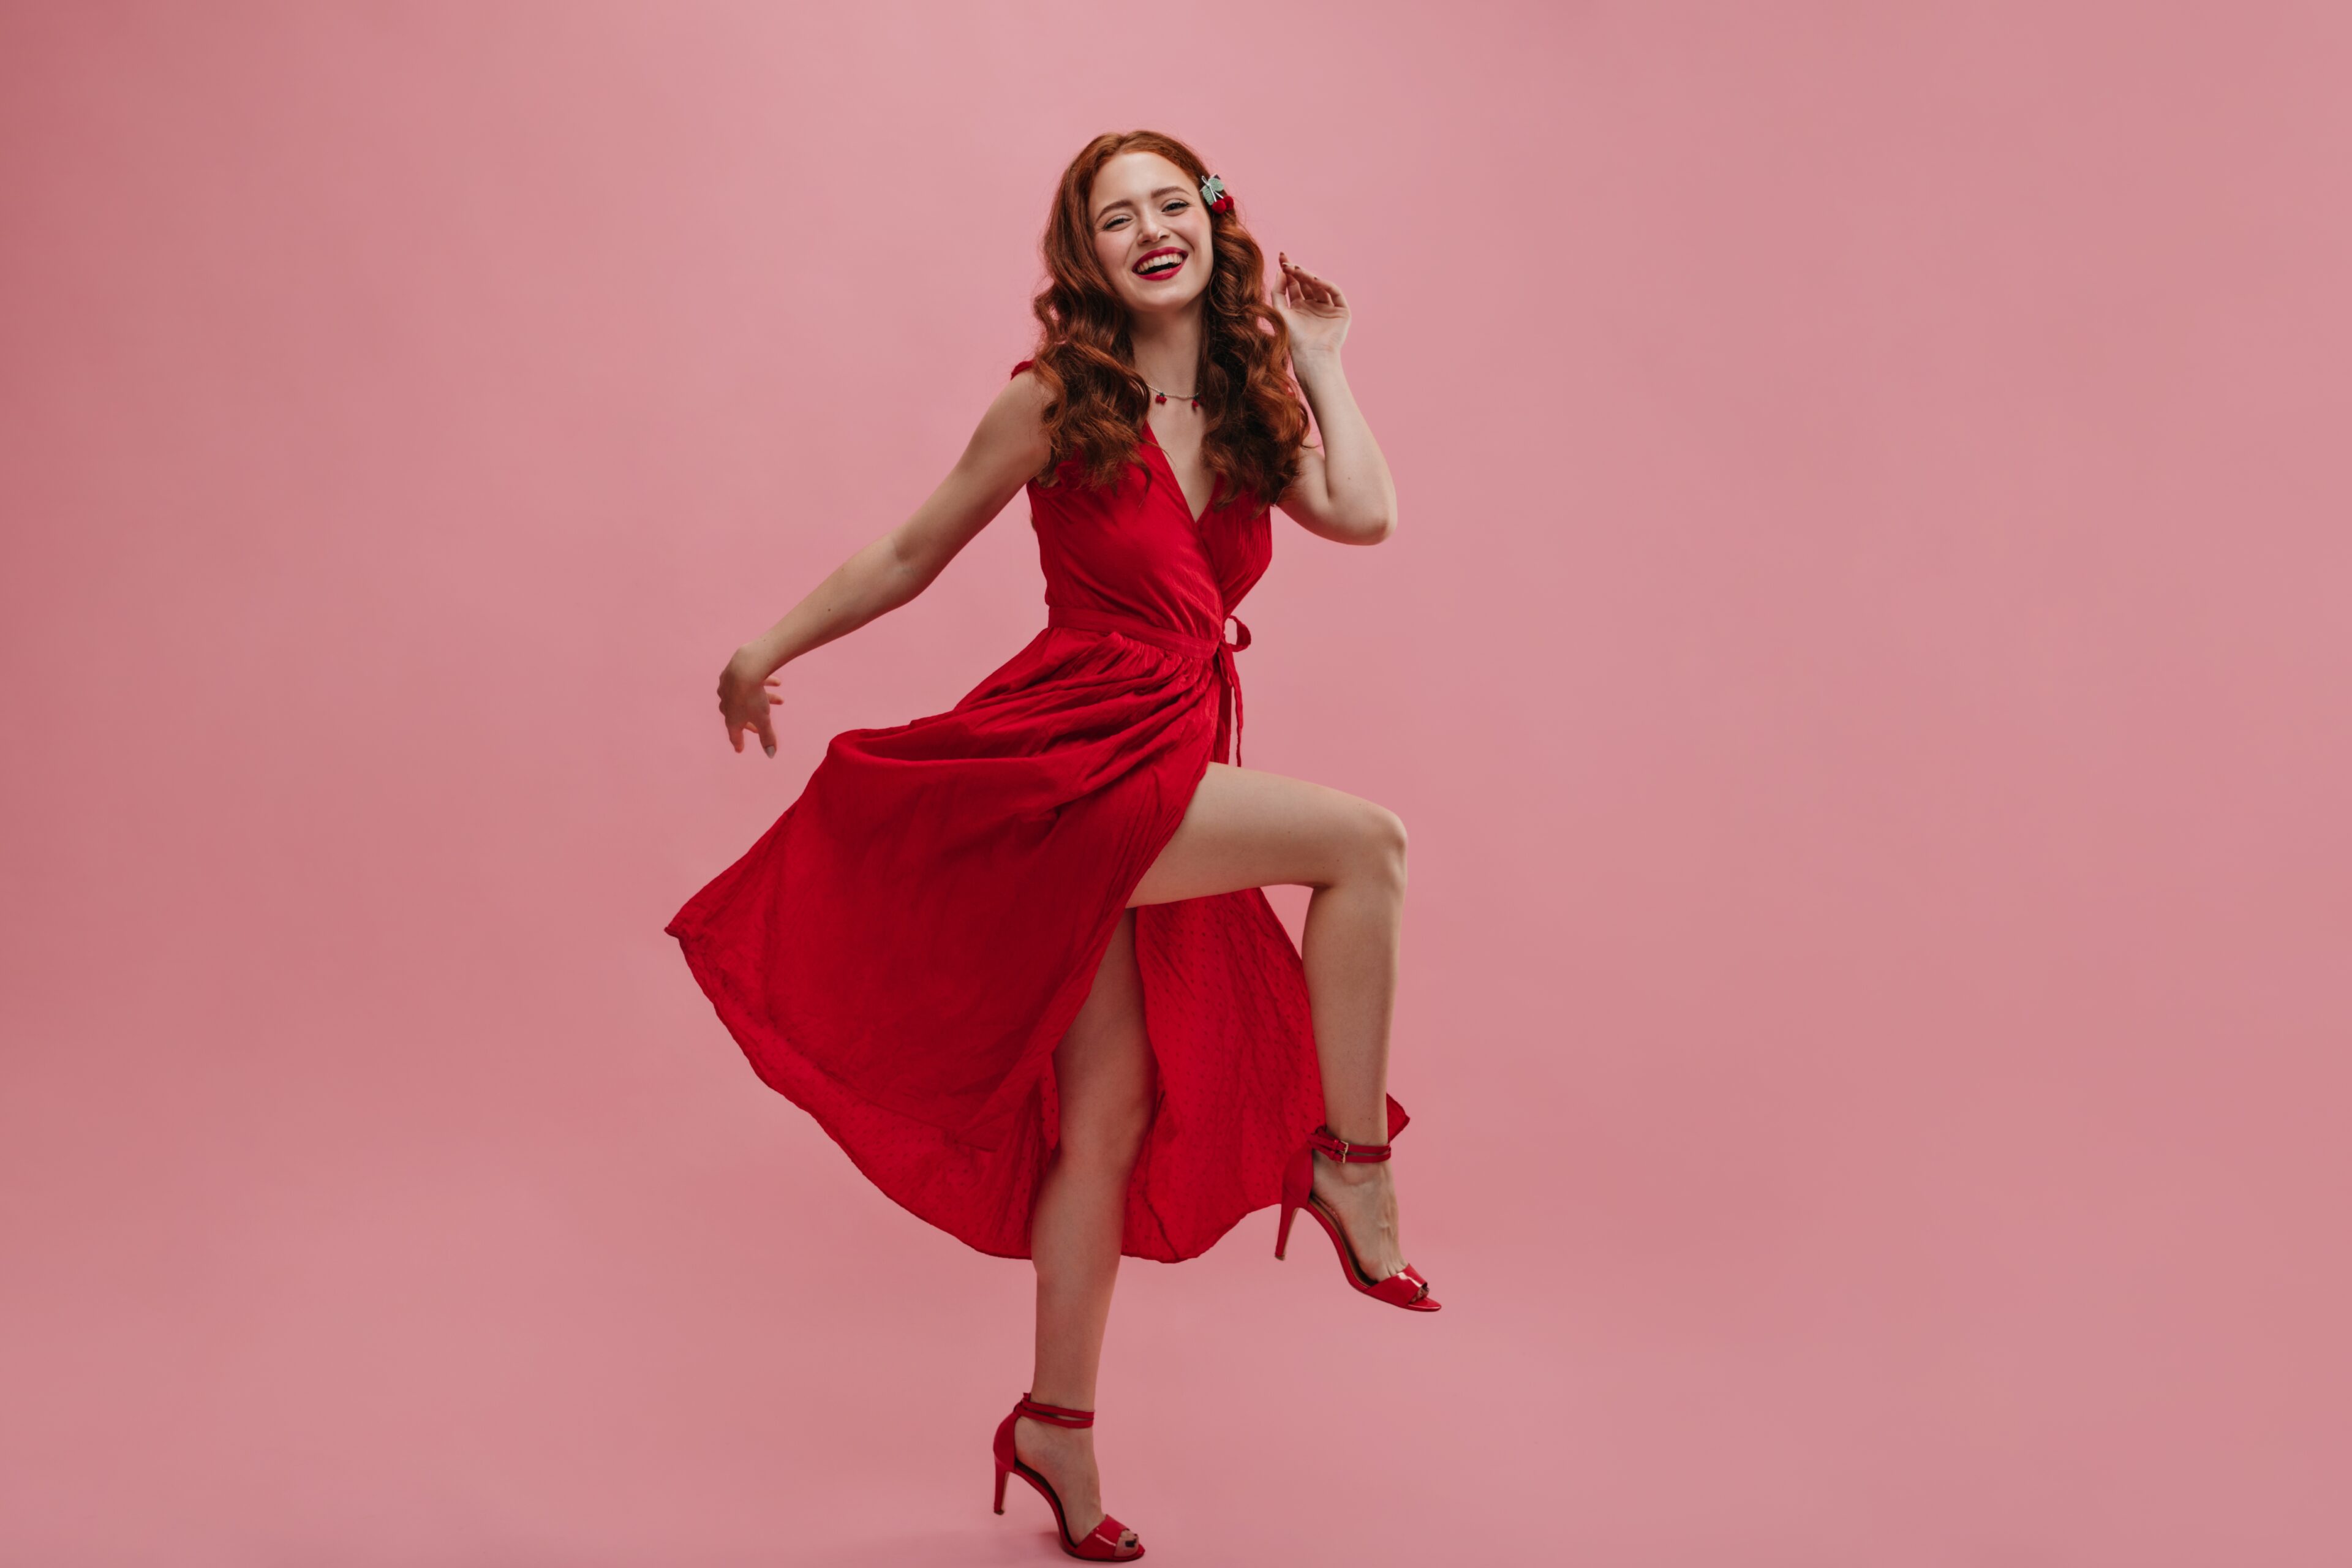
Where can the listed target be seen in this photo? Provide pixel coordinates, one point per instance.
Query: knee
(1106, 1134)
(1377, 847)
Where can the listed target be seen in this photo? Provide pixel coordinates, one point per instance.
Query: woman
(1014, 957)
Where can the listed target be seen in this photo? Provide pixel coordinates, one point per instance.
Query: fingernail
(767, 748)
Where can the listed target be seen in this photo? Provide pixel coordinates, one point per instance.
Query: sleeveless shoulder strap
(1017, 369)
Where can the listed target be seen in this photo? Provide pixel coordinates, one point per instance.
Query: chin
(1164, 304)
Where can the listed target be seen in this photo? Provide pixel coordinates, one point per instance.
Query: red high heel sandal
(1405, 1287)
(1101, 1544)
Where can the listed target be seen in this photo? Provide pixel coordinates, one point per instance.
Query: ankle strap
(1054, 1414)
(1338, 1148)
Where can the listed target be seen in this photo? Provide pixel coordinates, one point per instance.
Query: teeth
(1160, 262)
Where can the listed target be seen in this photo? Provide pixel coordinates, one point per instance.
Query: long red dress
(900, 952)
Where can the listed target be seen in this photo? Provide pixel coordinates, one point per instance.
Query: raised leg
(1245, 828)
(1103, 1073)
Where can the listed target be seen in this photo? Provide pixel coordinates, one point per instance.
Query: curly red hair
(1256, 421)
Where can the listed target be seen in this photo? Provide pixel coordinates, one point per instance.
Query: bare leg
(1251, 830)
(1103, 1072)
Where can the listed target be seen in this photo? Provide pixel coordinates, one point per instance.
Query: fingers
(758, 721)
(736, 728)
(1314, 291)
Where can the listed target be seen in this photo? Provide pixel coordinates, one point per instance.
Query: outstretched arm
(1343, 492)
(1004, 452)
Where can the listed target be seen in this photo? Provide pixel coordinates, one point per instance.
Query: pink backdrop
(1863, 665)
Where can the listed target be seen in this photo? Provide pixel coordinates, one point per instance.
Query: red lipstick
(1175, 250)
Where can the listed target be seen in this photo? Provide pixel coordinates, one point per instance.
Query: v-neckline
(1169, 464)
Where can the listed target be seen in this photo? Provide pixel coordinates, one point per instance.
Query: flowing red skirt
(899, 953)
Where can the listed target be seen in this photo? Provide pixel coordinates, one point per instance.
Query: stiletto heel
(1100, 1544)
(1405, 1287)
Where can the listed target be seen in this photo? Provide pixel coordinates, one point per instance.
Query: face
(1151, 232)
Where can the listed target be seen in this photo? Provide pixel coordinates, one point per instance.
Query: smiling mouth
(1159, 264)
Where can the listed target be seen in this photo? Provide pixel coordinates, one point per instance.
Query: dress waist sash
(1079, 619)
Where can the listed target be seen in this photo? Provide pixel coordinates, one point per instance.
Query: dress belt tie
(1220, 652)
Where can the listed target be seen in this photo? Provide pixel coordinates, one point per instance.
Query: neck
(1167, 348)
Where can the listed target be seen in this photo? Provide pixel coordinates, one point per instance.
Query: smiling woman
(1132, 243)
(1016, 957)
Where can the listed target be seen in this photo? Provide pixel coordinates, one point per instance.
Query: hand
(1315, 312)
(743, 702)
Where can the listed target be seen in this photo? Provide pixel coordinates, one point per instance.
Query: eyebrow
(1123, 201)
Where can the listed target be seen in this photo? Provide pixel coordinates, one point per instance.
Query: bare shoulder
(1029, 383)
(1020, 402)
(1011, 436)
(1007, 449)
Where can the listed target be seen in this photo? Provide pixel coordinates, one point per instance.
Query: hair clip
(1213, 191)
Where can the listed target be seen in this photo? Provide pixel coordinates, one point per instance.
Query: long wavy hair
(1256, 422)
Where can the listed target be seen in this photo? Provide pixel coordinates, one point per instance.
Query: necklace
(1160, 397)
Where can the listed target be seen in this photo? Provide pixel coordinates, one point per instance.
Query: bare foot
(1362, 1198)
(1064, 1455)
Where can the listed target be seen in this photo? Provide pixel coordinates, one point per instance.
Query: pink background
(1864, 666)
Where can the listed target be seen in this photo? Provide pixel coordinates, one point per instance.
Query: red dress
(900, 952)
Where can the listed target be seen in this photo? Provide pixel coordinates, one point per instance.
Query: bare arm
(1344, 491)
(1007, 449)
